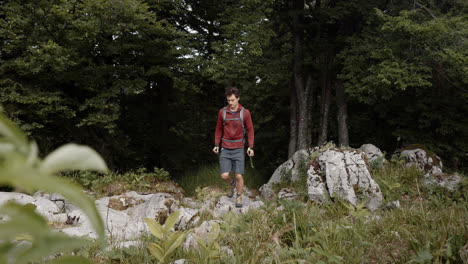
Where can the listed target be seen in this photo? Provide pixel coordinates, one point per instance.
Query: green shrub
(21, 167)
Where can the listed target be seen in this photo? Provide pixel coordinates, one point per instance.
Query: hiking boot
(239, 201)
(231, 189)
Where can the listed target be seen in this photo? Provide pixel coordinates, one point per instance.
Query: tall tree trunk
(310, 109)
(342, 114)
(293, 121)
(301, 89)
(324, 109)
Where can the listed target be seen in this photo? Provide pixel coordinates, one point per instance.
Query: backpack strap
(224, 116)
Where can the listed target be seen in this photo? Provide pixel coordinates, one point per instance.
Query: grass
(430, 227)
(209, 175)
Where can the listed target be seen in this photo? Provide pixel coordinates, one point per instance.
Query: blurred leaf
(73, 157)
(155, 228)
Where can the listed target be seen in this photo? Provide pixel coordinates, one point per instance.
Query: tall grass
(209, 175)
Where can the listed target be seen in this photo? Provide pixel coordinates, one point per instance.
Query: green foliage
(167, 241)
(409, 68)
(21, 167)
(208, 248)
(113, 183)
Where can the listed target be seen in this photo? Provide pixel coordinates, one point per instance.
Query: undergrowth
(430, 227)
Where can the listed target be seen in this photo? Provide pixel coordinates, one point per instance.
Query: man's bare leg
(239, 183)
(227, 178)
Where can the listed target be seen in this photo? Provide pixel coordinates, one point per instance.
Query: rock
(344, 174)
(422, 161)
(227, 250)
(317, 184)
(289, 170)
(44, 206)
(393, 205)
(168, 187)
(373, 154)
(226, 204)
(287, 194)
(267, 191)
(191, 203)
(180, 261)
(371, 218)
(449, 181)
(200, 232)
(129, 223)
(187, 217)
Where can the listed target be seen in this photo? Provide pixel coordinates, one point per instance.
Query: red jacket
(232, 129)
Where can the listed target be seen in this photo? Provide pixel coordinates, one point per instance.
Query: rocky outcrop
(419, 158)
(344, 174)
(432, 167)
(289, 170)
(128, 223)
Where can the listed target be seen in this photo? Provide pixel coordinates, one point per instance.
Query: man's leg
(226, 177)
(232, 183)
(239, 183)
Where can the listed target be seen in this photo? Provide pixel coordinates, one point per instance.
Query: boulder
(344, 174)
(373, 154)
(419, 158)
(289, 170)
(44, 206)
(449, 181)
(125, 223)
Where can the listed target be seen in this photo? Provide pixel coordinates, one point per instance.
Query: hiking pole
(251, 162)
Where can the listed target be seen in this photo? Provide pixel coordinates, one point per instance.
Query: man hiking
(233, 121)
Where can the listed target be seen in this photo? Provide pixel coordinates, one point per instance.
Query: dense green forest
(141, 81)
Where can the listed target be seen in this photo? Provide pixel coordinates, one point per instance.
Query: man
(233, 120)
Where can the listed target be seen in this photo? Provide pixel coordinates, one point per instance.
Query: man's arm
(219, 129)
(249, 127)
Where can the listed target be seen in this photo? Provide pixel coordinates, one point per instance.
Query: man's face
(233, 101)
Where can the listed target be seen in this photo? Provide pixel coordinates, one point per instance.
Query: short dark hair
(232, 91)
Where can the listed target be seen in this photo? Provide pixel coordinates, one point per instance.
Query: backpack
(231, 119)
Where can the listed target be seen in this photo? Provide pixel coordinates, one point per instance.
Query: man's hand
(216, 150)
(250, 152)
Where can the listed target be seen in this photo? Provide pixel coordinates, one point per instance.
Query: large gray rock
(344, 174)
(421, 160)
(373, 153)
(44, 206)
(129, 223)
(289, 170)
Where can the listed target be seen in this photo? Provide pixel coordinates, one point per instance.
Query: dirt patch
(124, 202)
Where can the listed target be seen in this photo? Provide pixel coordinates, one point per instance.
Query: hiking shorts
(232, 160)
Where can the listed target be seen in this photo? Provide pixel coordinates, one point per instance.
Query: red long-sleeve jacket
(232, 129)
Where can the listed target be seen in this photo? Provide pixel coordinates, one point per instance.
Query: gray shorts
(232, 160)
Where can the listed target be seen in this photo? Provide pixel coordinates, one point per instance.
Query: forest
(108, 111)
(142, 81)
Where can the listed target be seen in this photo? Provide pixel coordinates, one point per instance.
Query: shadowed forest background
(142, 81)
